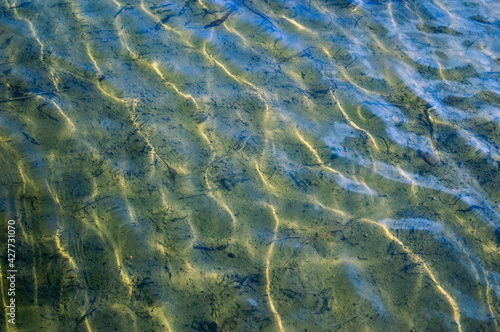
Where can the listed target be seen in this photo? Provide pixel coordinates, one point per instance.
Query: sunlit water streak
(315, 165)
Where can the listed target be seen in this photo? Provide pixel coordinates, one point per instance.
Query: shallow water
(302, 166)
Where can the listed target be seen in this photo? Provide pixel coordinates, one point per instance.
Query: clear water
(301, 166)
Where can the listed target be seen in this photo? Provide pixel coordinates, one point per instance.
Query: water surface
(301, 166)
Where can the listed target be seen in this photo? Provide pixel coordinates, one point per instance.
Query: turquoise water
(250, 165)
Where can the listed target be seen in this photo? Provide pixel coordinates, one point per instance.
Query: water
(301, 166)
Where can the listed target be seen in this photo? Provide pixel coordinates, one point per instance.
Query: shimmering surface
(301, 166)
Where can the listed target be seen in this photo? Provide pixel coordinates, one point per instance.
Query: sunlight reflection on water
(252, 165)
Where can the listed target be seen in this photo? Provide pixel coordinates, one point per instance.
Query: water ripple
(252, 165)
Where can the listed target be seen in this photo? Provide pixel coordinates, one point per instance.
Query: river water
(251, 165)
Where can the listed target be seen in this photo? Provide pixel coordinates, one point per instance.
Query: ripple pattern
(252, 165)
